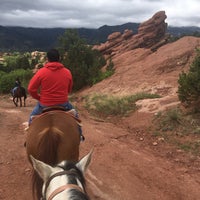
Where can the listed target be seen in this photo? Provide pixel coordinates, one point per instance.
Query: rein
(61, 188)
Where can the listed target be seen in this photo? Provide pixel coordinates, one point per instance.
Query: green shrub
(104, 74)
(16, 61)
(7, 80)
(170, 119)
(189, 83)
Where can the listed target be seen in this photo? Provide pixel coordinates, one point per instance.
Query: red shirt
(51, 84)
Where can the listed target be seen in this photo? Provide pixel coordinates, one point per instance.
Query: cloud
(95, 13)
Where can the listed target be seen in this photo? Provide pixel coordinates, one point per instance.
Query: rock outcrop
(151, 34)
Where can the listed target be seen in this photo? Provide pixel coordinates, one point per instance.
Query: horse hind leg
(24, 101)
(15, 102)
(20, 100)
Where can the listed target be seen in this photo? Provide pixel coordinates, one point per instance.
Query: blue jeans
(13, 90)
(39, 107)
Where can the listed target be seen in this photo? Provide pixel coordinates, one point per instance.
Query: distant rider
(17, 84)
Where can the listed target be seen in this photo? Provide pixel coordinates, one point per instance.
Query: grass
(109, 105)
(179, 129)
(169, 120)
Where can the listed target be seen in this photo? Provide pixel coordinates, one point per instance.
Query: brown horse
(52, 137)
(18, 94)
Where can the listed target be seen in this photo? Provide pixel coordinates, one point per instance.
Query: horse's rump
(52, 138)
(23, 92)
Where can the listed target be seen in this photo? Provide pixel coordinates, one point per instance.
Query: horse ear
(84, 162)
(41, 168)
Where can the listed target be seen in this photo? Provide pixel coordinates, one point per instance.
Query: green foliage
(84, 62)
(189, 83)
(16, 61)
(7, 80)
(179, 129)
(169, 120)
(68, 40)
(107, 105)
(192, 147)
(104, 74)
(3, 67)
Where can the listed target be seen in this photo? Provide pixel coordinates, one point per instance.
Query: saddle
(71, 112)
(50, 108)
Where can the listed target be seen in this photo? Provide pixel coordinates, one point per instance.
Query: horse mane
(49, 141)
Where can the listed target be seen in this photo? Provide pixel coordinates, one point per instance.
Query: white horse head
(65, 180)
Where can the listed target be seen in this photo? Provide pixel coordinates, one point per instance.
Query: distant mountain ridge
(41, 39)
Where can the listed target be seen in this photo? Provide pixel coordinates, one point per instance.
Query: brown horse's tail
(25, 95)
(47, 152)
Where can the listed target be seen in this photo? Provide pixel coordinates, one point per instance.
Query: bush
(189, 83)
(14, 62)
(7, 80)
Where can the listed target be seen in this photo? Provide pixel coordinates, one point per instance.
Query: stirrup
(82, 138)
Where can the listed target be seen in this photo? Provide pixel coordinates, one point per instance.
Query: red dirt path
(123, 167)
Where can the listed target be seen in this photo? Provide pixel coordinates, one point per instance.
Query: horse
(64, 181)
(52, 137)
(18, 94)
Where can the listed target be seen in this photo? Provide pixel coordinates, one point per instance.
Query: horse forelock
(74, 177)
(74, 174)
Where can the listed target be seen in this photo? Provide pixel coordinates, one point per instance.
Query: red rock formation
(151, 34)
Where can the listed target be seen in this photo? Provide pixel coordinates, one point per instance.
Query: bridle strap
(62, 188)
(53, 176)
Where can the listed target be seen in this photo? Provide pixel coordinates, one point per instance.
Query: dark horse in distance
(18, 94)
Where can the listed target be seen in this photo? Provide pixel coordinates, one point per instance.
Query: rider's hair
(53, 55)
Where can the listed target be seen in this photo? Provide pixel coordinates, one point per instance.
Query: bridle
(61, 188)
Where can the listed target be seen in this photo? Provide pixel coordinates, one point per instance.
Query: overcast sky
(95, 13)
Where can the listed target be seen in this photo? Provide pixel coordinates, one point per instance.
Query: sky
(95, 13)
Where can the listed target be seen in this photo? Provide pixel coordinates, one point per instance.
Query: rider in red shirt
(51, 85)
(55, 83)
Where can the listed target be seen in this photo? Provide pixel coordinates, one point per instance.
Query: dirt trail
(121, 168)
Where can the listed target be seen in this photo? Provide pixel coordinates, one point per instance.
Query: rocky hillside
(146, 63)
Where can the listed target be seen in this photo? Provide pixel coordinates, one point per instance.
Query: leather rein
(61, 188)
